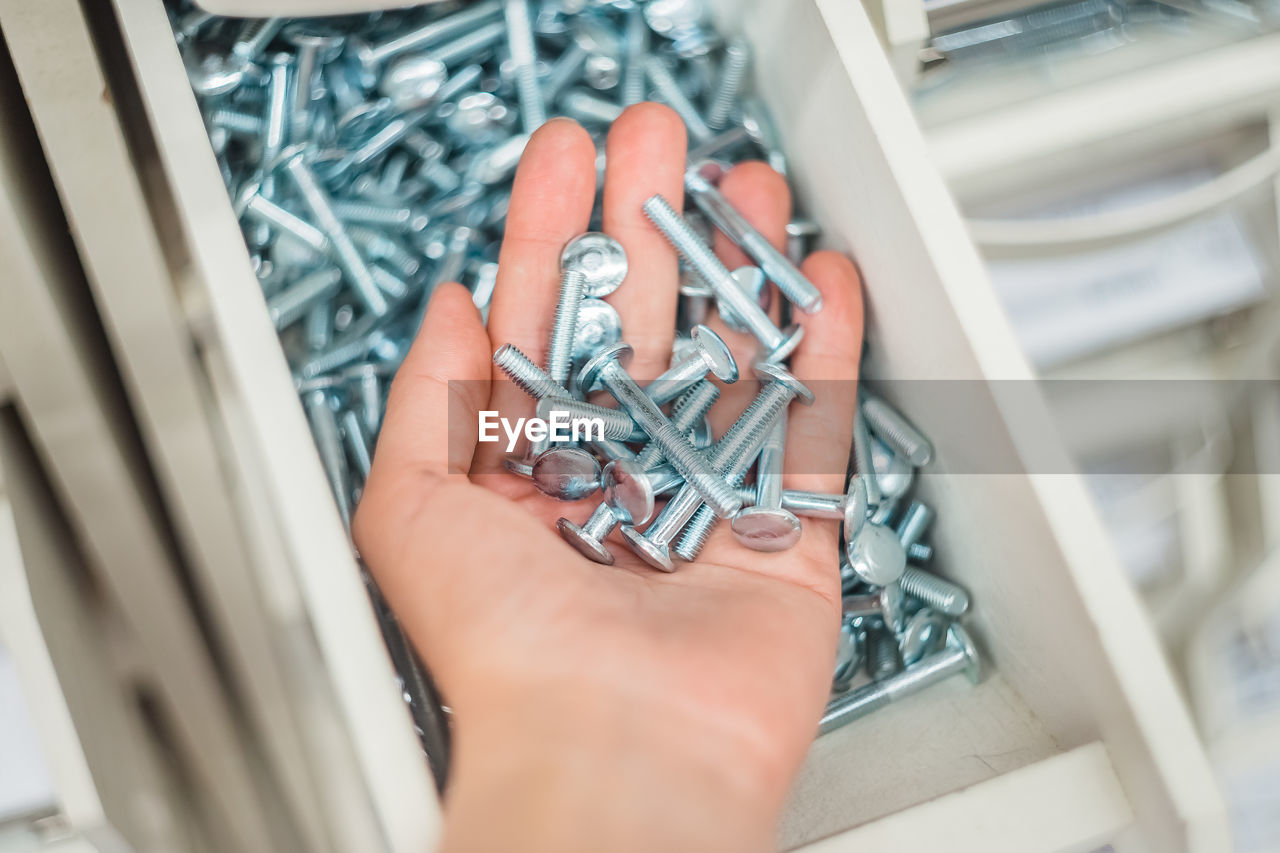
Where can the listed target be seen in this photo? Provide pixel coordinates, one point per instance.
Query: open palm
(736, 647)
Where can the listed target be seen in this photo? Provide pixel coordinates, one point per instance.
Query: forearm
(565, 777)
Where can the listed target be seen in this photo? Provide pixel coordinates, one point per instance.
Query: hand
(607, 707)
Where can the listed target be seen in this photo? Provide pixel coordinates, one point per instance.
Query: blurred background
(1117, 168)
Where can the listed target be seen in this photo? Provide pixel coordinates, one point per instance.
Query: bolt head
(926, 633)
(876, 556)
(412, 81)
(591, 548)
(566, 473)
(958, 638)
(893, 473)
(627, 491)
(519, 467)
(480, 118)
(618, 353)
(892, 606)
(766, 528)
(211, 75)
(599, 326)
(327, 43)
(601, 260)
(794, 334)
(700, 436)
(771, 372)
(855, 506)
(296, 152)
(658, 556)
(715, 353)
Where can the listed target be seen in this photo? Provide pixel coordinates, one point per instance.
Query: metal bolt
(618, 425)
(710, 355)
(573, 286)
(413, 81)
(885, 603)
(372, 56)
(942, 595)
(601, 260)
(915, 521)
(253, 204)
(607, 369)
(533, 112)
(777, 344)
(357, 442)
(862, 458)
(925, 634)
(586, 108)
(883, 657)
(876, 555)
(668, 90)
(635, 50)
(324, 426)
(919, 552)
(347, 256)
(767, 526)
(254, 37)
(315, 49)
(289, 305)
(736, 56)
(896, 431)
(849, 655)
(566, 473)
(616, 482)
(759, 416)
(700, 180)
(960, 658)
(599, 326)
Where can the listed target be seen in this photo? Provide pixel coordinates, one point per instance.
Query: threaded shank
(883, 658)
(669, 92)
(573, 286)
(895, 431)
(736, 57)
(526, 375)
(941, 595)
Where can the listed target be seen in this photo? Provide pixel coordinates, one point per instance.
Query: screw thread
(686, 241)
(324, 428)
(339, 355)
(637, 45)
(668, 90)
(526, 375)
(915, 521)
(288, 306)
(862, 457)
(687, 413)
(533, 110)
(435, 31)
(918, 552)
(235, 121)
(883, 657)
(618, 425)
(573, 287)
(732, 73)
(942, 595)
(470, 44)
(892, 428)
(368, 213)
(585, 107)
(261, 209)
(256, 34)
(389, 283)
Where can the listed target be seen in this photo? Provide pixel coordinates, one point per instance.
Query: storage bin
(1075, 738)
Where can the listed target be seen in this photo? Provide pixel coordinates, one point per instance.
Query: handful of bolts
(369, 158)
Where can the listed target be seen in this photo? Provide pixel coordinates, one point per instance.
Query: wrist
(580, 769)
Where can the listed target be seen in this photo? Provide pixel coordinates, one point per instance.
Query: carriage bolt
(252, 204)
(875, 555)
(565, 70)
(526, 375)
(315, 48)
(800, 236)
(668, 90)
(700, 180)
(886, 603)
(586, 108)
(600, 258)
(862, 458)
(717, 144)
(235, 122)
(599, 326)
(414, 81)
(318, 327)
(388, 283)
(607, 370)
(777, 344)
(737, 450)
(942, 595)
(524, 54)
(254, 37)
(289, 305)
(566, 473)
(402, 218)
(758, 124)
(924, 634)
(324, 426)
(767, 526)
(618, 425)
(915, 521)
(919, 552)
(736, 56)
(342, 353)
(368, 378)
(883, 657)
(573, 286)
(589, 538)
(276, 117)
(894, 473)
(960, 657)
(379, 247)
(804, 503)
(372, 56)
(893, 429)
(710, 355)
(468, 46)
(346, 254)
(636, 41)
(357, 442)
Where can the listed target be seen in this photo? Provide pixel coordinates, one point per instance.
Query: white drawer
(1076, 736)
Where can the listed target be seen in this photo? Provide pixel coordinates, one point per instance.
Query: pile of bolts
(370, 157)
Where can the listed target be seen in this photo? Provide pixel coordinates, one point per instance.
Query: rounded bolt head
(715, 354)
(926, 633)
(619, 352)
(876, 556)
(412, 81)
(591, 548)
(211, 74)
(752, 280)
(770, 372)
(855, 507)
(480, 118)
(671, 16)
(848, 656)
(627, 491)
(658, 556)
(794, 334)
(893, 473)
(519, 467)
(566, 473)
(601, 260)
(766, 528)
(893, 607)
(297, 151)
(326, 43)
(958, 638)
(599, 326)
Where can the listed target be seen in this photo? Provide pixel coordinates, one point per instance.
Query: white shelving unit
(1075, 739)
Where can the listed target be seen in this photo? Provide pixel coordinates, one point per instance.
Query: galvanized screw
(737, 54)
(669, 92)
(533, 112)
(767, 526)
(915, 521)
(896, 431)
(942, 595)
(710, 355)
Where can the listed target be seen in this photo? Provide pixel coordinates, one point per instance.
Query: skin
(607, 707)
